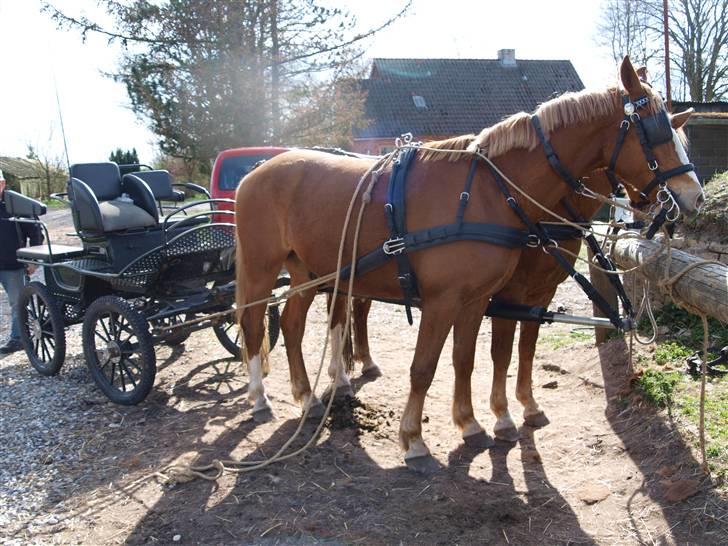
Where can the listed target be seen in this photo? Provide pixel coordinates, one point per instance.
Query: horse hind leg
(293, 325)
(252, 324)
(533, 415)
(465, 336)
(340, 341)
(360, 315)
(501, 348)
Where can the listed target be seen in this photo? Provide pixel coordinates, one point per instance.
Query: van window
(233, 169)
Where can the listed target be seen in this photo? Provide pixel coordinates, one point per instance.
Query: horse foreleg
(465, 336)
(532, 414)
(360, 315)
(293, 325)
(437, 318)
(501, 348)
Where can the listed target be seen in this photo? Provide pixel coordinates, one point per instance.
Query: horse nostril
(699, 201)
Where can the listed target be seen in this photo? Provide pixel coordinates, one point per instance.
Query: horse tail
(240, 302)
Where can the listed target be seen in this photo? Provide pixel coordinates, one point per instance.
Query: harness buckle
(653, 165)
(533, 241)
(551, 243)
(393, 246)
(625, 124)
(465, 196)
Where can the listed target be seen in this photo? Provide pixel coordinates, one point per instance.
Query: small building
(441, 98)
(707, 132)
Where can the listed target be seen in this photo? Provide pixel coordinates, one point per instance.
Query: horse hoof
(479, 440)
(537, 420)
(509, 434)
(424, 464)
(316, 411)
(263, 415)
(341, 392)
(372, 372)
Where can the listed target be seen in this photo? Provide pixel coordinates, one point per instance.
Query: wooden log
(601, 282)
(704, 287)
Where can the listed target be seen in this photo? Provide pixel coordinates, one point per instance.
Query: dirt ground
(352, 486)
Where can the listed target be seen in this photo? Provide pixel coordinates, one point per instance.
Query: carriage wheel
(41, 328)
(178, 336)
(228, 333)
(119, 350)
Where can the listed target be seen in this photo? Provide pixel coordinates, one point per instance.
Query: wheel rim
(229, 327)
(118, 352)
(40, 329)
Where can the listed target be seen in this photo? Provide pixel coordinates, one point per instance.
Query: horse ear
(678, 120)
(642, 74)
(630, 79)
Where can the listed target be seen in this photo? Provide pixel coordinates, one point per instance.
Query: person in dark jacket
(12, 274)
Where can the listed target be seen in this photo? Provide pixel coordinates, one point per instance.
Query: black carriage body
(137, 274)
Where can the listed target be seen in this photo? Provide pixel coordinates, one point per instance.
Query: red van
(232, 165)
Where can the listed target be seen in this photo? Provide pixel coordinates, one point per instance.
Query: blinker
(658, 129)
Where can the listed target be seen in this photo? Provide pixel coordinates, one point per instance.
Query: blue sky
(96, 112)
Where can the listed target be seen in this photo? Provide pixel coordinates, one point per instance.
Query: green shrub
(657, 387)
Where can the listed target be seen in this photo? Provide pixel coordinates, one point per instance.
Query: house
(707, 132)
(440, 98)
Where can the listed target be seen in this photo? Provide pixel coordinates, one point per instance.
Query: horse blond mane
(517, 131)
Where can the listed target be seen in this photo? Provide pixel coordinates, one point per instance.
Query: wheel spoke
(36, 345)
(103, 364)
(106, 330)
(121, 376)
(128, 374)
(46, 356)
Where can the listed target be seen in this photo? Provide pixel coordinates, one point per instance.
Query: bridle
(652, 131)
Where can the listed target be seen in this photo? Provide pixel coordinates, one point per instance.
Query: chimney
(507, 57)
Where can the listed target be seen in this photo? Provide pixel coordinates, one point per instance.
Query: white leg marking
(256, 391)
(417, 448)
(337, 361)
(473, 427)
(504, 422)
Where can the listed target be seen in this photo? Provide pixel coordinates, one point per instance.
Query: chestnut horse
(533, 283)
(291, 211)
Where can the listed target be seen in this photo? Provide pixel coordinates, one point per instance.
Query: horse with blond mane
(280, 223)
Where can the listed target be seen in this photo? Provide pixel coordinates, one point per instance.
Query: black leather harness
(652, 131)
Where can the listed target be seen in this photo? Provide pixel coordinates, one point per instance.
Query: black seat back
(160, 182)
(104, 179)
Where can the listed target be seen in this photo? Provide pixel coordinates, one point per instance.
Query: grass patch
(671, 352)
(687, 401)
(559, 340)
(687, 329)
(657, 387)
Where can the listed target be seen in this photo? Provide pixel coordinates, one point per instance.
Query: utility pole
(667, 56)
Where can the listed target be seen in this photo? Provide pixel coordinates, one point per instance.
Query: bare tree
(698, 32)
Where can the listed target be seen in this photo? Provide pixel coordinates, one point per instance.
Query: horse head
(650, 154)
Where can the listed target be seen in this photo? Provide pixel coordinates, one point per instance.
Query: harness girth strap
(395, 212)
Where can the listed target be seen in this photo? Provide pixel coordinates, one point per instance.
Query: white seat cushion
(117, 215)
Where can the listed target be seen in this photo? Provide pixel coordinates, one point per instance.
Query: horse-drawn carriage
(139, 277)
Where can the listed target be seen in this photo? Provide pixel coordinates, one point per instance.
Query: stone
(592, 492)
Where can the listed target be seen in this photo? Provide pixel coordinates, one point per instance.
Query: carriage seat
(101, 202)
(160, 182)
